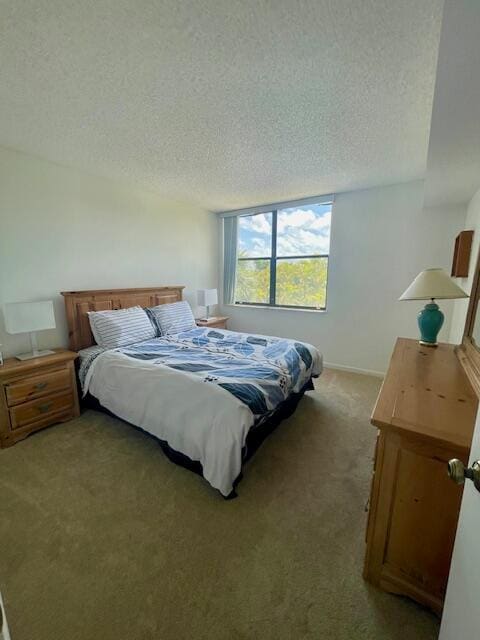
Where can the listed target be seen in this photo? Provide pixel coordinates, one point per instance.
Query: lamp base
(428, 344)
(430, 321)
(34, 354)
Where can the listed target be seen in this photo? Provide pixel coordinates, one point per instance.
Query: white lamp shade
(207, 297)
(433, 283)
(25, 317)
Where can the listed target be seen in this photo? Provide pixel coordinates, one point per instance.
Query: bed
(209, 396)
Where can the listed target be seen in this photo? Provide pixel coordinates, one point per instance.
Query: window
(282, 257)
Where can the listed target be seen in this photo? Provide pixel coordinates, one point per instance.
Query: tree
(300, 281)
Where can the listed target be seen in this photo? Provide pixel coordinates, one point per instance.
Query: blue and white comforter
(221, 383)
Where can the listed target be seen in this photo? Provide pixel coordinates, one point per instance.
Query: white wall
(381, 238)
(63, 230)
(460, 308)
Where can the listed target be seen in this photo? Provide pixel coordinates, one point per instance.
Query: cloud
(303, 232)
(260, 223)
(261, 247)
(295, 218)
(287, 246)
(290, 220)
(300, 232)
(302, 242)
(322, 222)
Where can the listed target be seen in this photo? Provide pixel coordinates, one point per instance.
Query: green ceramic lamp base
(430, 321)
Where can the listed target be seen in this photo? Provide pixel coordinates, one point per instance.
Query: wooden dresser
(425, 415)
(35, 394)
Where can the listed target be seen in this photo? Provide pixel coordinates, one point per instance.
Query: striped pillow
(118, 328)
(173, 318)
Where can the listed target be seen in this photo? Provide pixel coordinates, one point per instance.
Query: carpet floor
(102, 538)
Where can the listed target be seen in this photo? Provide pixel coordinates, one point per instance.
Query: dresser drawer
(41, 409)
(38, 386)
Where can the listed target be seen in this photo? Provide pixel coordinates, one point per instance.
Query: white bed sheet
(201, 420)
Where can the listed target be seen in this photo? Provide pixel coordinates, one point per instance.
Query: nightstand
(35, 394)
(219, 322)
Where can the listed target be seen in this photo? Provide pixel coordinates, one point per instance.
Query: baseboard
(341, 367)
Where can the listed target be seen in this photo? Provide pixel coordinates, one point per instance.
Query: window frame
(273, 258)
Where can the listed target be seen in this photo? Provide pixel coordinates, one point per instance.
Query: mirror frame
(468, 353)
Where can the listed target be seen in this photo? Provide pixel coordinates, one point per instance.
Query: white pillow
(120, 327)
(173, 318)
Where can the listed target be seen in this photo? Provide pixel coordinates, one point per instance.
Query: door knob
(457, 472)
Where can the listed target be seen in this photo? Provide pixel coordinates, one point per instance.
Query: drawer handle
(43, 408)
(40, 386)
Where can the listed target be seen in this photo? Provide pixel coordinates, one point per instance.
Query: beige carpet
(102, 538)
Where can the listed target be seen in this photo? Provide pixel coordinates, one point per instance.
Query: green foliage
(300, 282)
(253, 281)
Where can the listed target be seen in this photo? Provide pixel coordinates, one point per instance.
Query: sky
(300, 231)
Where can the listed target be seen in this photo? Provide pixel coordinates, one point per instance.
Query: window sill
(267, 308)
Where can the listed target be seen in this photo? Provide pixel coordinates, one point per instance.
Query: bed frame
(78, 303)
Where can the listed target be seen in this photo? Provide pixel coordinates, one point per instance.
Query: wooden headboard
(77, 303)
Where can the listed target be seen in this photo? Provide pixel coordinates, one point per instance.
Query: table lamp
(432, 284)
(29, 317)
(205, 298)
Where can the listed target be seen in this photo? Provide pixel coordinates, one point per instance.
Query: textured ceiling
(453, 173)
(221, 102)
